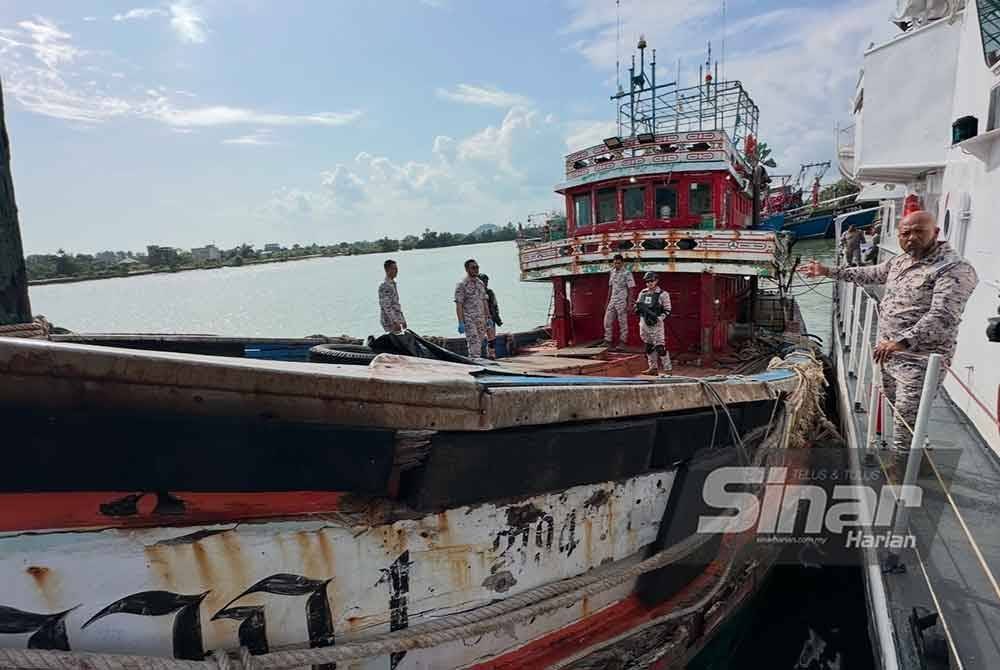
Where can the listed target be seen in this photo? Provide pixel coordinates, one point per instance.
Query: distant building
(160, 255)
(206, 254)
(272, 247)
(108, 257)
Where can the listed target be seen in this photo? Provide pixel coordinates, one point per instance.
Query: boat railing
(666, 149)
(856, 320)
(821, 204)
(740, 251)
(856, 313)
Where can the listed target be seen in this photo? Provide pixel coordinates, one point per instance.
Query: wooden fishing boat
(177, 501)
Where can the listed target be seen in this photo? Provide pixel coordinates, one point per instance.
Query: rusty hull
(392, 392)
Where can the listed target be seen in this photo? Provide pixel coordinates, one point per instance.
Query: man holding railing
(926, 289)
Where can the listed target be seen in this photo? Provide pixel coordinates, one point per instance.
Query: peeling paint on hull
(279, 576)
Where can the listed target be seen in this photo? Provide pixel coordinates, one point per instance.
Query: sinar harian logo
(855, 508)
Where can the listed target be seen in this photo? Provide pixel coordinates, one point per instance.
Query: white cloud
(260, 137)
(594, 29)
(799, 64)
(139, 13)
(188, 23)
(186, 20)
(49, 44)
(39, 62)
(495, 144)
(89, 18)
(583, 134)
(482, 95)
(220, 115)
(495, 174)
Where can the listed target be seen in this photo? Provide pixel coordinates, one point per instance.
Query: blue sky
(189, 122)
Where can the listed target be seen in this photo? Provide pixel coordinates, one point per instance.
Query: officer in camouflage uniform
(471, 308)
(852, 245)
(392, 317)
(621, 289)
(653, 307)
(926, 289)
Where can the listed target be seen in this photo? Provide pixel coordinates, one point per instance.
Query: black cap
(648, 276)
(485, 278)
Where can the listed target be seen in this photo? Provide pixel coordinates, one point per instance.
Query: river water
(329, 296)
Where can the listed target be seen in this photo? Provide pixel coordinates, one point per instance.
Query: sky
(190, 122)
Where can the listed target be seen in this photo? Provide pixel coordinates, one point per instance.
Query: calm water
(325, 295)
(295, 299)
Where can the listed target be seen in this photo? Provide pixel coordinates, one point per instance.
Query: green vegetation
(838, 189)
(66, 266)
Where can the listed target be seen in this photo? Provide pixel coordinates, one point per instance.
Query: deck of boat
(594, 361)
(953, 569)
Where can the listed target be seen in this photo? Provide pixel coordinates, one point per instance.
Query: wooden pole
(14, 305)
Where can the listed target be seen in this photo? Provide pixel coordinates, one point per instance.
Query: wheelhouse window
(666, 202)
(634, 202)
(989, 27)
(581, 205)
(700, 199)
(607, 205)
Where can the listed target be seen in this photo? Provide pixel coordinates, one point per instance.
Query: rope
(37, 329)
(972, 394)
(670, 616)
(509, 612)
(46, 659)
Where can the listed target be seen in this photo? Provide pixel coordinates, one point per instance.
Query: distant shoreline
(156, 271)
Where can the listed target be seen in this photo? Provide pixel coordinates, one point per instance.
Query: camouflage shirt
(388, 302)
(471, 294)
(923, 299)
(620, 282)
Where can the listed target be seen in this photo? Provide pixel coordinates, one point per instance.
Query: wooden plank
(465, 468)
(73, 451)
(129, 509)
(567, 352)
(392, 392)
(554, 364)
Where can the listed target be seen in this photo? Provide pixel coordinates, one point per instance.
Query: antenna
(723, 40)
(618, 46)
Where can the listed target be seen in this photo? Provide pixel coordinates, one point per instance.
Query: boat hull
(479, 486)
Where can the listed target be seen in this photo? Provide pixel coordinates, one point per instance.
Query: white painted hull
(458, 559)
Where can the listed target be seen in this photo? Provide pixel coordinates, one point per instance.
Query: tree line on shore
(121, 263)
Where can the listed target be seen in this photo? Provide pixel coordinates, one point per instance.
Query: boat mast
(14, 305)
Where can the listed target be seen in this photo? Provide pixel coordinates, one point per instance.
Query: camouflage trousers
(617, 310)
(656, 344)
(475, 335)
(903, 381)
(853, 255)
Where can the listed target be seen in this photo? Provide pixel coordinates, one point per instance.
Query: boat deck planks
(567, 352)
(555, 364)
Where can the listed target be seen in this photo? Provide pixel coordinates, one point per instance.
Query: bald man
(926, 288)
